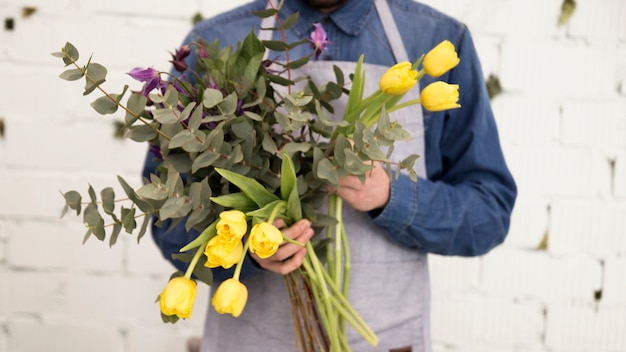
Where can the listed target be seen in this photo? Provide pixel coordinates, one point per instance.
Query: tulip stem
(239, 264)
(194, 262)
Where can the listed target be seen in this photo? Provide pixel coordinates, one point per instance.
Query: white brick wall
(562, 120)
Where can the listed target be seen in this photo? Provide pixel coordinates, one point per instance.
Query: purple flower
(319, 40)
(178, 58)
(150, 77)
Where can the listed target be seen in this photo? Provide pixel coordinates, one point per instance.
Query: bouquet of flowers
(239, 146)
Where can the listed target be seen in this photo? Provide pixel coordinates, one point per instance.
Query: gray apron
(389, 284)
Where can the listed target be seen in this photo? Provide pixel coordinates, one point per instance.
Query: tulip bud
(439, 96)
(398, 79)
(441, 59)
(230, 297)
(220, 252)
(265, 239)
(232, 225)
(178, 296)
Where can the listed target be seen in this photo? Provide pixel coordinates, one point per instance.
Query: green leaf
(280, 80)
(70, 52)
(130, 192)
(275, 45)
(171, 97)
(73, 201)
(265, 13)
(94, 221)
(141, 133)
(144, 226)
(108, 200)
(166, 116)
(202, 238)
(356, 91)
(207, 158)
(297, 63)
(237, 200)
(72, 75)
(211, 97)
(176, 207)
(251, 187)
(128, 219)
(277, 207)
(326, 171)
(96, 75)
(117, 228)
(104, 105)
(288, 176)
(92, 196)
(289, 21)
(135, 106)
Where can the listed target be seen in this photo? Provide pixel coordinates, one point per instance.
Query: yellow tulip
(441, 59)
(230, 297)
(398, 79)
(221, 252)
(232, 225)
(439, 96)
(178, 296)
(265, 239)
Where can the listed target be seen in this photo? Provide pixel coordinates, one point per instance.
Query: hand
(289, 256)
(370, 195)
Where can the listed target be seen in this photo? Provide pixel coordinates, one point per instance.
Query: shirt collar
(349, 18)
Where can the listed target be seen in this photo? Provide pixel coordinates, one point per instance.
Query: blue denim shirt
(464, 206)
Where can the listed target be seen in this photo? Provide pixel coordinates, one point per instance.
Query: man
(461, 204)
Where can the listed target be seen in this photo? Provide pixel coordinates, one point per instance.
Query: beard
(325, 4)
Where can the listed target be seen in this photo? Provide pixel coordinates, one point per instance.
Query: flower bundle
(236, 152)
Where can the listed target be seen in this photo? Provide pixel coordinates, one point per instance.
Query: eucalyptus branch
(87, 76)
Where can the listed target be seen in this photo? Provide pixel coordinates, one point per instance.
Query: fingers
(289, 256)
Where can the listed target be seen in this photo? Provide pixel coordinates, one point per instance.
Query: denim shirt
(463, 207)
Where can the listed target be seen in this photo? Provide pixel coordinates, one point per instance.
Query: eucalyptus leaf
(117, 228)
(73, 201)
(128, 219)
(95, 76)
(72, 74)
(108, 200)
(211, 97)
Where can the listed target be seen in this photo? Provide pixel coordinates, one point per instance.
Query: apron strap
(391, 30)
(386, 18)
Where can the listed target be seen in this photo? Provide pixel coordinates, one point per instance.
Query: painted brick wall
(562, 120)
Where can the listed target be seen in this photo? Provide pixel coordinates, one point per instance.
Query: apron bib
(389, 284)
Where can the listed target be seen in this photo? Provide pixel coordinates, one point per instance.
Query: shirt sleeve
(464, 206)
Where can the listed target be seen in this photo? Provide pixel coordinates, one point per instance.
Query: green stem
(404, 105)
(193, 263)
(239, 264)
(326, 298)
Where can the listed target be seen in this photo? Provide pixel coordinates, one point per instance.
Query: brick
(585, 327)
(595, 124)
(31, 293)
(473, 323)
(30, 244)
(602, 22)
(614, 287)
(529, 223)
(67, 336)
(525, 61)
(551, 170)
(619, 176)
(163, 337)
(48, 188)
(453, 274)
(114, 299)
(145, 258)
(594, 227)
(517, 119)
(526, 273)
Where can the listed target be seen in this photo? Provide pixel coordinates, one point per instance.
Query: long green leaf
(251, 187)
